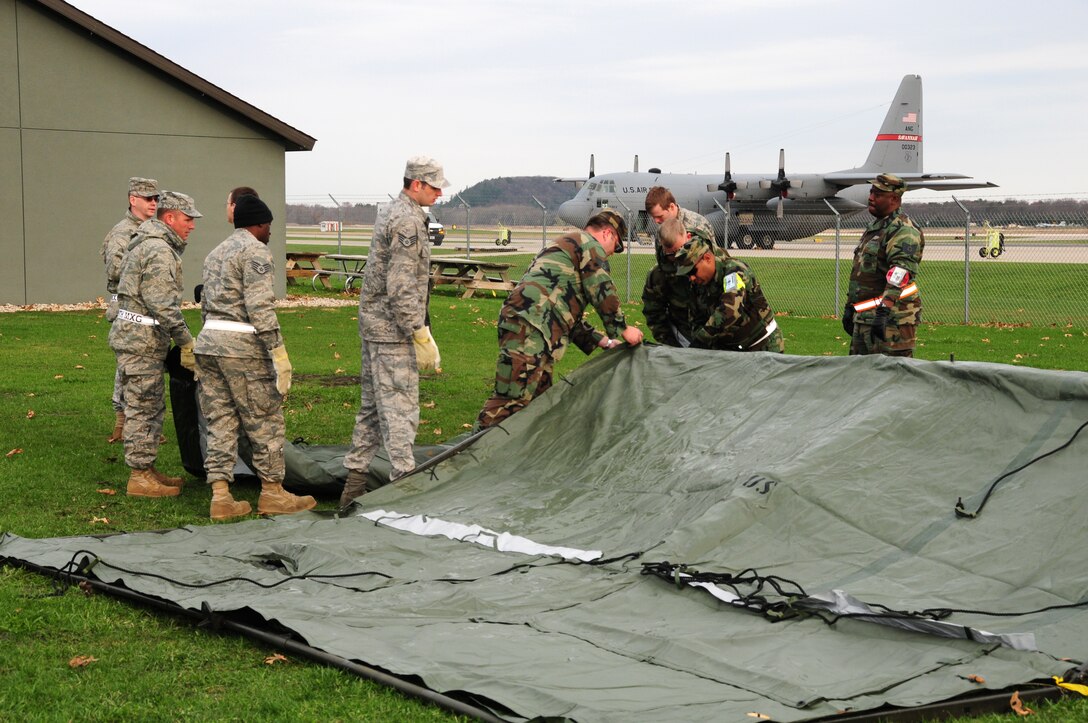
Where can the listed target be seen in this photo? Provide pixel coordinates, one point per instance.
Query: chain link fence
(984, 262)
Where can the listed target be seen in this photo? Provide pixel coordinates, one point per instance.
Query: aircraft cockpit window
(592, 186)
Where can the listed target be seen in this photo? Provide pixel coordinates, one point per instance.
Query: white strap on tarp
(501, 541)
(126, 315)
(224, 325)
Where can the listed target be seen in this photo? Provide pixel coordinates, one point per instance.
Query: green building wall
(78, 117)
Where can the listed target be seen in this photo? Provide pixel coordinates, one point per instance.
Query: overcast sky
(504, 88)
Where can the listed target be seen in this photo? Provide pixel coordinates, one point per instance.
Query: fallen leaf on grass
(437, 430)
(466, 425)
(30, 414)
(336, 354)
(58, 376)
(79, 366)
(106, 491)
(82, 660)
(86, 588)
(338, 371)
(14, 452)
(275, 658)
(1018, 706)
(96, 520)
(428, 405)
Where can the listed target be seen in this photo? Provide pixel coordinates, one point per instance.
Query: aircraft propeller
(636, 163)
(728, 184)
(591, 173)
(781, 184)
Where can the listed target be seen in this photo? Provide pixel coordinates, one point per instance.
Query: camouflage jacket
(694, 222)
(891, 241)
(565, 278)
(114, 247)
(393, 298)
(238, 276)
(729, 313)
(150, 288)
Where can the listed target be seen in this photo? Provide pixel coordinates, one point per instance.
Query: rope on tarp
(962, 512)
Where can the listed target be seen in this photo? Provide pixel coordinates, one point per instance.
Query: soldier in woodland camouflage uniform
(883, 306)
(148, 317)
(143, 199)
(243, 365)
(394, 326)
(661, 207)
(727, 310)
(545, 310)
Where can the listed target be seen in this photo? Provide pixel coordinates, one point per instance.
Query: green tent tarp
(513, 572)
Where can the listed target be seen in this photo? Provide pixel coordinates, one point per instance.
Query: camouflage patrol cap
(143, 187)
(426, 169)
(174, 201)
(608, 217)
(890, 183)
(689, 254)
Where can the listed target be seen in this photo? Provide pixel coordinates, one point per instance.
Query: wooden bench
(471, 274)
(303, 265)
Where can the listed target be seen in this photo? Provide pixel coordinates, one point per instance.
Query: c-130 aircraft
(767, 208)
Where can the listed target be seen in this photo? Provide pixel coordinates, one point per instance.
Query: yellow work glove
(427, 356)
(283, 369)
(188, 359)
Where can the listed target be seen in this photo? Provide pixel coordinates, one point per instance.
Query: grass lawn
(62, 478)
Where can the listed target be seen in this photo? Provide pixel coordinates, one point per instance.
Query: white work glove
(427, 356)
(283, 369)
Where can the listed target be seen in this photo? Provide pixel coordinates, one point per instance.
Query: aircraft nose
(573, 212)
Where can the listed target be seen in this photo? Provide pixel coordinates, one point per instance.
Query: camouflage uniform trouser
(144, 388)
(522, 373)
(388, 407)
(118, 398)
(240, 395)
(898, 340)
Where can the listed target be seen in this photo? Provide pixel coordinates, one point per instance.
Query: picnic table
(472, 274)
(351, 268)
(303, 265)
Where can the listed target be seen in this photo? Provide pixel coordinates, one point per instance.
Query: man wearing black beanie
(244, 372)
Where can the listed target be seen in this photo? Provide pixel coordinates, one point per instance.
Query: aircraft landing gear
(746, 241)
(766, 242)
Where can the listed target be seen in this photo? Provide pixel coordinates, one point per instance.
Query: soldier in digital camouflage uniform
(244, 371)
(727, 309)
(394, 326)
(143, 199)
(148, 318)
(545, 310)
(883, 306)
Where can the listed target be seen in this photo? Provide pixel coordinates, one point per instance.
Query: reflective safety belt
(770, 330)
(132, 316)
(224, 325)
(909, 290)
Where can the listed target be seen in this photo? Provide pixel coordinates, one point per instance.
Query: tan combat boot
(225, 507)
(355, 485)
(166, 479)
(141, 483)
(275, 500)
(118, 429)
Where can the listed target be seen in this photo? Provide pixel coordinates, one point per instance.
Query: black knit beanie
(250, 211)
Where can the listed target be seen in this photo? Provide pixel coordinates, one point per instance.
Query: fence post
(543, 223)
(838, 241)
(628, 242)
(725, 210)
(966, 262)
(468, 228)
(339, 223)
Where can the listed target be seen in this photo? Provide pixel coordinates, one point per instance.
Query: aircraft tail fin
(898, 145)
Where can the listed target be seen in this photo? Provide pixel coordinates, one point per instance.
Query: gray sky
(506, 88)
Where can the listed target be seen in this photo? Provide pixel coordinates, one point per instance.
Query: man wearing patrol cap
(545, 310)
(148, 318)
(394, 326)
(883, 306)
(244, 369)
(143, 197)
(727, 310)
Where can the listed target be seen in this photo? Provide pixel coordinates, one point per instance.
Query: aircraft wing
(934, 181)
